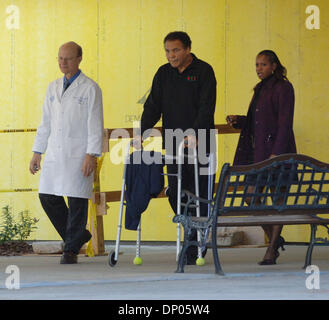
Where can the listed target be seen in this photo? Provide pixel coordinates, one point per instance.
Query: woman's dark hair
(280, 72)
(179, 35)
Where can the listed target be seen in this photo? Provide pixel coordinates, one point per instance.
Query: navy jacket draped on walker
(144, 180)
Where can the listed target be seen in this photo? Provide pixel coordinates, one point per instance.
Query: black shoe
(192, 251)
(267, 262)
(192, 255)
(69, 257)
(270, 261)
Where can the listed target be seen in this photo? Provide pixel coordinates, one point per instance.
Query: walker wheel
(112, 261)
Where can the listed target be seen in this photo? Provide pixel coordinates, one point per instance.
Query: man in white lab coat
(70, 135)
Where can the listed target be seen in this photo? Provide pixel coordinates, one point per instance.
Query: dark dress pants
(188, 183)
(69, 221)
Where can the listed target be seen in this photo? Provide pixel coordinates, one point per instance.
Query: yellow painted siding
(122, 44)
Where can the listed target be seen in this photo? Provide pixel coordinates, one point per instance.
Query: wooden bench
(290, 189)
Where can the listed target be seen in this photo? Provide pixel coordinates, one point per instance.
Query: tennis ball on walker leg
(200, 262)
(138, 261)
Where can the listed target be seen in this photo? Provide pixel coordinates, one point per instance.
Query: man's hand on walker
(136, 142)
(190, 141)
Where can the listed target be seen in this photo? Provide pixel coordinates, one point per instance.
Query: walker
(114, 254)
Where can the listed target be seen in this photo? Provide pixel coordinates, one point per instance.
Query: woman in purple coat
(267, 130)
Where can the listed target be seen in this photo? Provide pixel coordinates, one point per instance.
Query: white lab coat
(72, 125)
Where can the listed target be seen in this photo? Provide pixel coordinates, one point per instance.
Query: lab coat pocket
(77, 148)
(81, 107)
(78, 118)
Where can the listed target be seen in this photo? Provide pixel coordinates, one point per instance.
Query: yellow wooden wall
(122, 45)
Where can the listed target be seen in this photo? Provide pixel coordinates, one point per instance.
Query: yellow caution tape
(17, 130)
(92, 210)
(18, 190)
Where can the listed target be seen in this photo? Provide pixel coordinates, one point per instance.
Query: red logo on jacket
(192, 78)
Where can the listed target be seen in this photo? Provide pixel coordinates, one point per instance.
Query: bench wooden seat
(263, 220)
(290, 189)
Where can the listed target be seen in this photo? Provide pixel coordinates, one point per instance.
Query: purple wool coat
(273, 124)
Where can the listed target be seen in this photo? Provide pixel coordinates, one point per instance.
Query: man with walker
(183, 93)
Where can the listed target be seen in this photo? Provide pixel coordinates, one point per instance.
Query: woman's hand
(232, 120)
(137, 142)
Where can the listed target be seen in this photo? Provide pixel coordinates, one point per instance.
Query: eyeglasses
(61, 59)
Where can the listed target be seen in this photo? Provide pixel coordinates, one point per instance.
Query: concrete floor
(41, 277)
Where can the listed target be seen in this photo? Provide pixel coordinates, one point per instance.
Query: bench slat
(262, 220)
